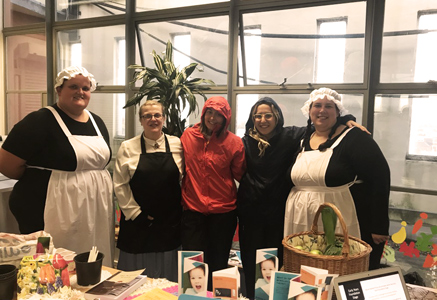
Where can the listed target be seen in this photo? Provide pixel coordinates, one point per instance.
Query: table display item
(42, 274)
(8, 282)
(307, 248)
(88, 273)
(118, 286)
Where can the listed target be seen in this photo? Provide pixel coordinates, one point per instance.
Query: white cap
(320, 94)
(71, 72)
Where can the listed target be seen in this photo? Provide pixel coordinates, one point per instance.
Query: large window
(287, 49)
(409, 36)
(208, 44)
(305, 45)
(331, 51)
(148, 5)
(72, 10)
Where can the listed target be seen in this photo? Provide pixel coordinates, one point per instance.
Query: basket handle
(314, 227)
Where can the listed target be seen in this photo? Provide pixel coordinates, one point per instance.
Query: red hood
(221, 105)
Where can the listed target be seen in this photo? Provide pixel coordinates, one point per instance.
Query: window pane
(22, 12)
(72, 10)
(26, 71)
(410, 37)
(290, 106)
(26, 62)
(20, 105)
(409, 208)
(104, 105)
(207, 39)
(100, 56)
(148, 5)
(405, 130)
(296, 44)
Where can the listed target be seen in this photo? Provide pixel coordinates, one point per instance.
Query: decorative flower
(59, 262)
(47, 274)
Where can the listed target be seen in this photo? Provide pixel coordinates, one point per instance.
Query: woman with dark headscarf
(263, 191)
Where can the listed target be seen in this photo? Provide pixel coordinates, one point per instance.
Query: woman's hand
(11, 165)
(378, 239)
(355, 124)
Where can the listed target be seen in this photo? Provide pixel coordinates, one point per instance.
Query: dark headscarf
(250, 126)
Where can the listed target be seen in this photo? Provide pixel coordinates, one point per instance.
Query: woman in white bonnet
(59, 154)
(343, 166)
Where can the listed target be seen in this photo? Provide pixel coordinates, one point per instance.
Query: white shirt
(126, 164)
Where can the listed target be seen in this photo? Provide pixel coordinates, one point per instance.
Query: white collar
(156, 144)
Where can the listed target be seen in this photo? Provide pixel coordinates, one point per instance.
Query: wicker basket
(342, 264)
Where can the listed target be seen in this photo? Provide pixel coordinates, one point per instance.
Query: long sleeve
(238, 165)
(372, 196)
(122, 176)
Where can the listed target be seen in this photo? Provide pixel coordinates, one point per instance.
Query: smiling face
(74, 95)
(265, 120)
(197, 279)
(152, 120)
(213, 120)
(323, 114)
(267, 267)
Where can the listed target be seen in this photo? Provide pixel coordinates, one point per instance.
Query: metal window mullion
(50, 51)
(130, 60)
(372, 59)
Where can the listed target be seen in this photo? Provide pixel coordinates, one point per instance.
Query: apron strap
(65, 128)
(59, 120)
(167, 145)
(340, 138)
(94, 123)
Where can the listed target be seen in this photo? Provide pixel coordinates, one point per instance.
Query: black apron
(155, 187)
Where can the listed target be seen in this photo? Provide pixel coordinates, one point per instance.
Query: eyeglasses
(267, 116)
(150, 116)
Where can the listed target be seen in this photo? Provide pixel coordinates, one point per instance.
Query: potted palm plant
(171, 86)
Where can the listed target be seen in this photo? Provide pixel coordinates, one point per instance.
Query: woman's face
(197, 279)
(264, 120)
(323, 114)
(152, 120)
(267, 267)
(213, 120)
(74, 95)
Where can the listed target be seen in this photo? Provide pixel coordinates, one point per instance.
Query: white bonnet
(71, 72)
(320, 94)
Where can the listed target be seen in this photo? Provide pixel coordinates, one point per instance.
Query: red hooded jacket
(212, 165)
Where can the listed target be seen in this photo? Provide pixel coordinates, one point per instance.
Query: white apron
(308, 175)
(79, 210)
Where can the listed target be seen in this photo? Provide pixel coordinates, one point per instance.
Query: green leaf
(170, 86)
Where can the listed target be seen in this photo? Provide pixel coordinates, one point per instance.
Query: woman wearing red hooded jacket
(214, 158)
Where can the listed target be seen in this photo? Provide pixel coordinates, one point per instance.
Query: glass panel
(72, 10)
(410, 37)
(103, 57)
(411, 208)
(205, 39)
(26, 71)
(21, 12)
(148, 5)
(104, 105)
(290, 106)
(20, 105)
(406, 131)
(304, 45)
(26, 62)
